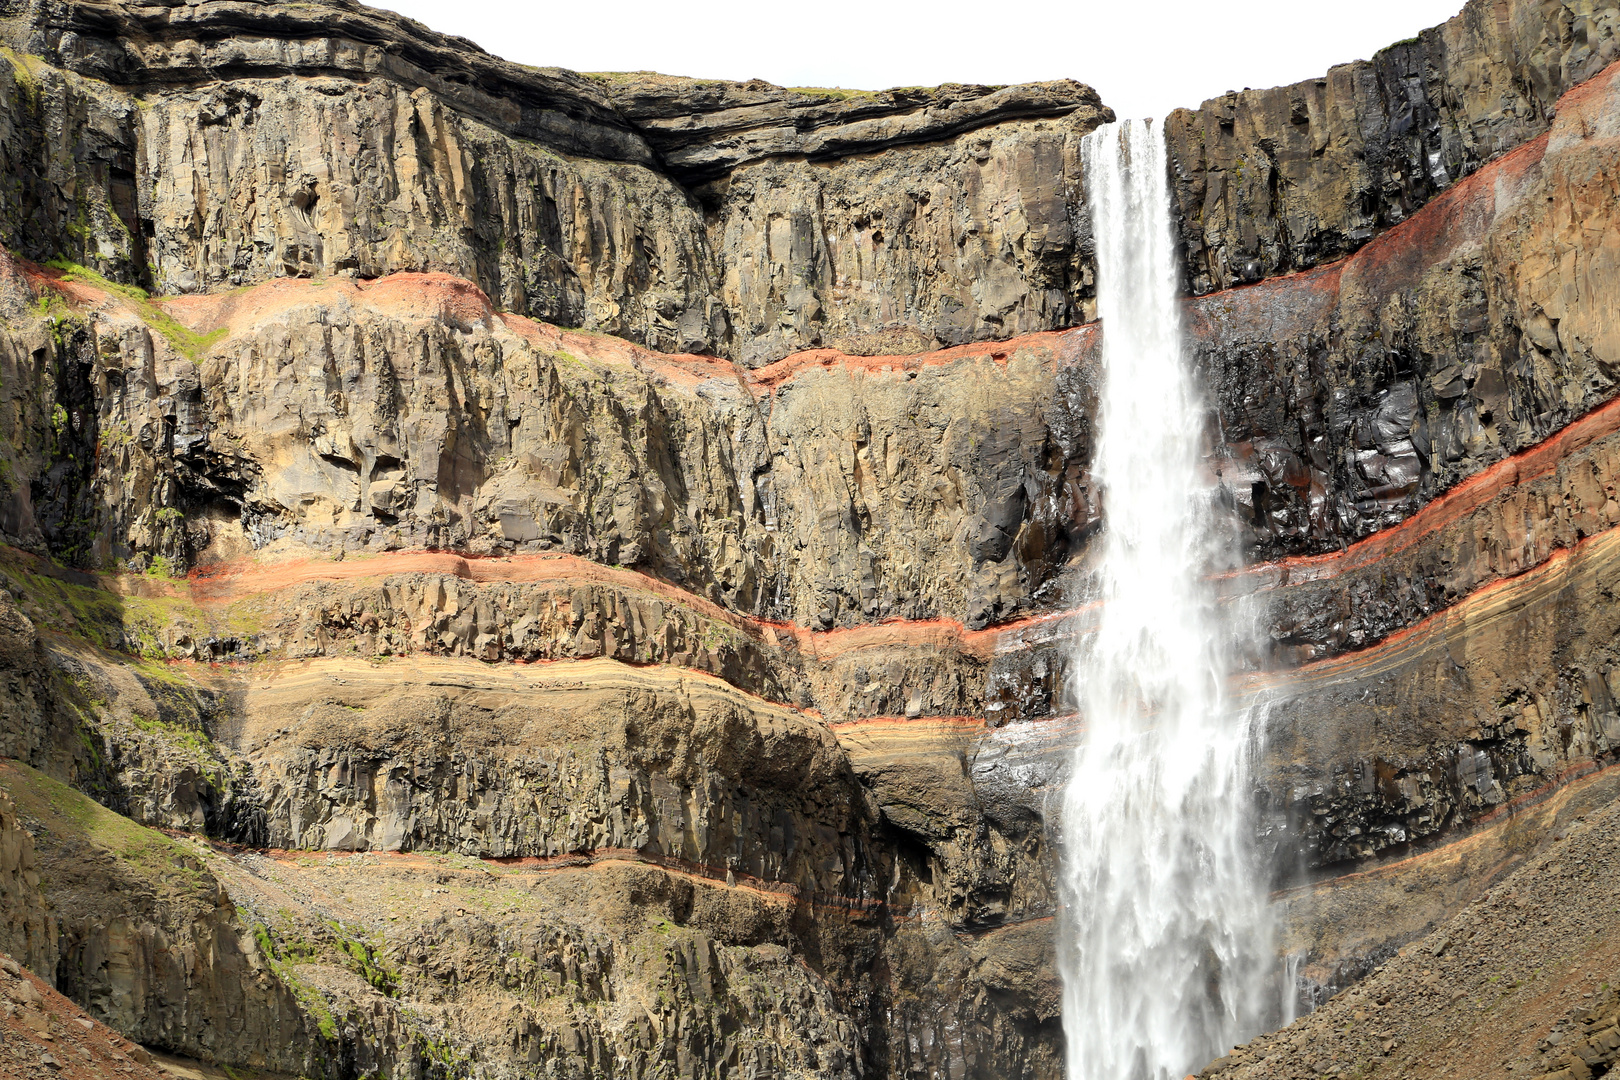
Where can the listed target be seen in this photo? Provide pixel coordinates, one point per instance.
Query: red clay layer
(224, 583)
(1401, 251)
(1064, 344)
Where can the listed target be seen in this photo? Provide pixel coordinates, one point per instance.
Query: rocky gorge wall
(525, 535)
(1274, 181)
(541, 186)
(704, 216)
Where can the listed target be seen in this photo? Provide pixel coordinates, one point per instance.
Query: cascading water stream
(1166, 952)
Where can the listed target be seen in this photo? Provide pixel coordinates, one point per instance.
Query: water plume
(1166, 946)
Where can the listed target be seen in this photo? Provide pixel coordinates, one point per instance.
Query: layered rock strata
(564, 197)
(705, 215)
(556, 705)
(1274, 181)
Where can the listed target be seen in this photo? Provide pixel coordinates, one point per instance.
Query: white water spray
(1166, 954)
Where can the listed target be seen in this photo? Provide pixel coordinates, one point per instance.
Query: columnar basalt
(1274, 181)
(762, 228)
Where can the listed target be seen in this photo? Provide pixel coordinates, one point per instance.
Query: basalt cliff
(509, 573)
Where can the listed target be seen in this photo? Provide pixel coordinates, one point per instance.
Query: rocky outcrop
(34, 728)
(980, 237)
(1519, 983)
(149, 43)
(672, 465)
(1354, 394)
(970, 225)
(28, 930)
(47, 1035)
(579, 757)
(1270, 182)
(1339, 927)
(421, 153)
(1495, 697)
(704, 128)
(149, 943)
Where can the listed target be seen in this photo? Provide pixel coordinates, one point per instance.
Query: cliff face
(584, 564)
(273, 140)
(1274, 181)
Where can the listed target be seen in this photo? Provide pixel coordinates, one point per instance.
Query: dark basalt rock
(173, 44)
(705, 129)
(1275, 181)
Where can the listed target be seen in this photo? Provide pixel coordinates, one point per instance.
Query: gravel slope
(1522, 983)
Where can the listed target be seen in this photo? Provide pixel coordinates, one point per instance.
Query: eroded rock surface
(1273, 181)
(223, 144)
(1520, 983)
(526, 701)
(29, 931)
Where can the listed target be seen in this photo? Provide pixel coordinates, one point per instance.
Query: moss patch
(71, 816)
(284, 952)
(137, 625)
(26, 71)
(186, 342)
(837, 92)
(288, 946)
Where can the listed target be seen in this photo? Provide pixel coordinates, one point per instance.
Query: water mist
(1166, 951)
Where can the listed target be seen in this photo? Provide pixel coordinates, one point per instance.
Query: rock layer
(1273, 181)
(229, 143)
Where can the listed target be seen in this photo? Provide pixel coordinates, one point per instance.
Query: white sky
(1144, 57)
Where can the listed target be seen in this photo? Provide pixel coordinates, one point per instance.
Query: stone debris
(42, 1034)
(1505, 996)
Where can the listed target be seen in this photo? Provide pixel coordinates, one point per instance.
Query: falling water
(1166, 953)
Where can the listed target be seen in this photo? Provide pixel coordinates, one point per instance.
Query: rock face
(78, 1048)
(588, 566)
(29, 932)
(1484, 994)
(756, 230)
(149, 942)
(1274, 181)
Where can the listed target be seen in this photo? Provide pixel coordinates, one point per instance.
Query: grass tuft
(186, 341)
(71, 815)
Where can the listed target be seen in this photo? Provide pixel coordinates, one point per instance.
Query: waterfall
(1165, 949)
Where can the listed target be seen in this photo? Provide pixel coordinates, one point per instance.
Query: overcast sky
(1144, 58)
